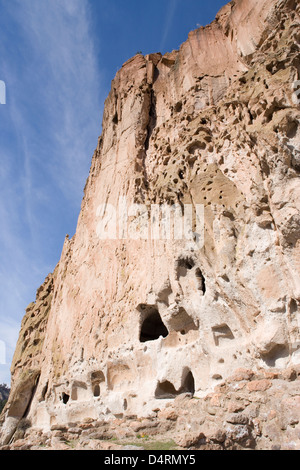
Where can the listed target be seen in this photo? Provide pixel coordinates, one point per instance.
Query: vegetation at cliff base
(4, 392)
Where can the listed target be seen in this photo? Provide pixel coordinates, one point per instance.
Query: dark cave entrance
(188, 384)
(65, 398)
(152, 327)
(97, 377)
(167, 390)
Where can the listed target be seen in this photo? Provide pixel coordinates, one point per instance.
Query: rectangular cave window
(188, 384)
(221, 334)
(97, 377)
(97, 390)
(79, 391)
(152, 326)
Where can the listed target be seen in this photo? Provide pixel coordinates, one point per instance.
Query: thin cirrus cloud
(65, 67)
(49, 129)
(171, 10)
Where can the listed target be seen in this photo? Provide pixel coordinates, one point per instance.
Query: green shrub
(24, 424)
(2, 404)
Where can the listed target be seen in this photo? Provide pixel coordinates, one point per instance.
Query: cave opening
(201, 280)
(166, 389)
(188, 384)
(153, 327)
(97, 377)
(65, 398)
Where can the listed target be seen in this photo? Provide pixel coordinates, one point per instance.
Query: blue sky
(57, 59)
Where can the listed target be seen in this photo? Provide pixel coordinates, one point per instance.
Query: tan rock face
(127, 323)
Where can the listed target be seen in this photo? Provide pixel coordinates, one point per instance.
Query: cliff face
(127, 323)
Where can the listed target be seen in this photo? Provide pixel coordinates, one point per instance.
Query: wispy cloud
(49, 129)
(65, 76)
(172, 6)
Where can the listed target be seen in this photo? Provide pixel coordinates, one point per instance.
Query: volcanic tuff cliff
(124, 326)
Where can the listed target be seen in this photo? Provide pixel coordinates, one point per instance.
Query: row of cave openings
(80, 387)
(153, 327)
(164, 389)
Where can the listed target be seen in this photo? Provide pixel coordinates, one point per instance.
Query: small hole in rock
(65, 398)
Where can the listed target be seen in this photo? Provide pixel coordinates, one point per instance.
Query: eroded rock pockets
(168, 314)
(187, 269)
(81, 391)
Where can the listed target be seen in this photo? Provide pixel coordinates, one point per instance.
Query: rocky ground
(250, 410)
